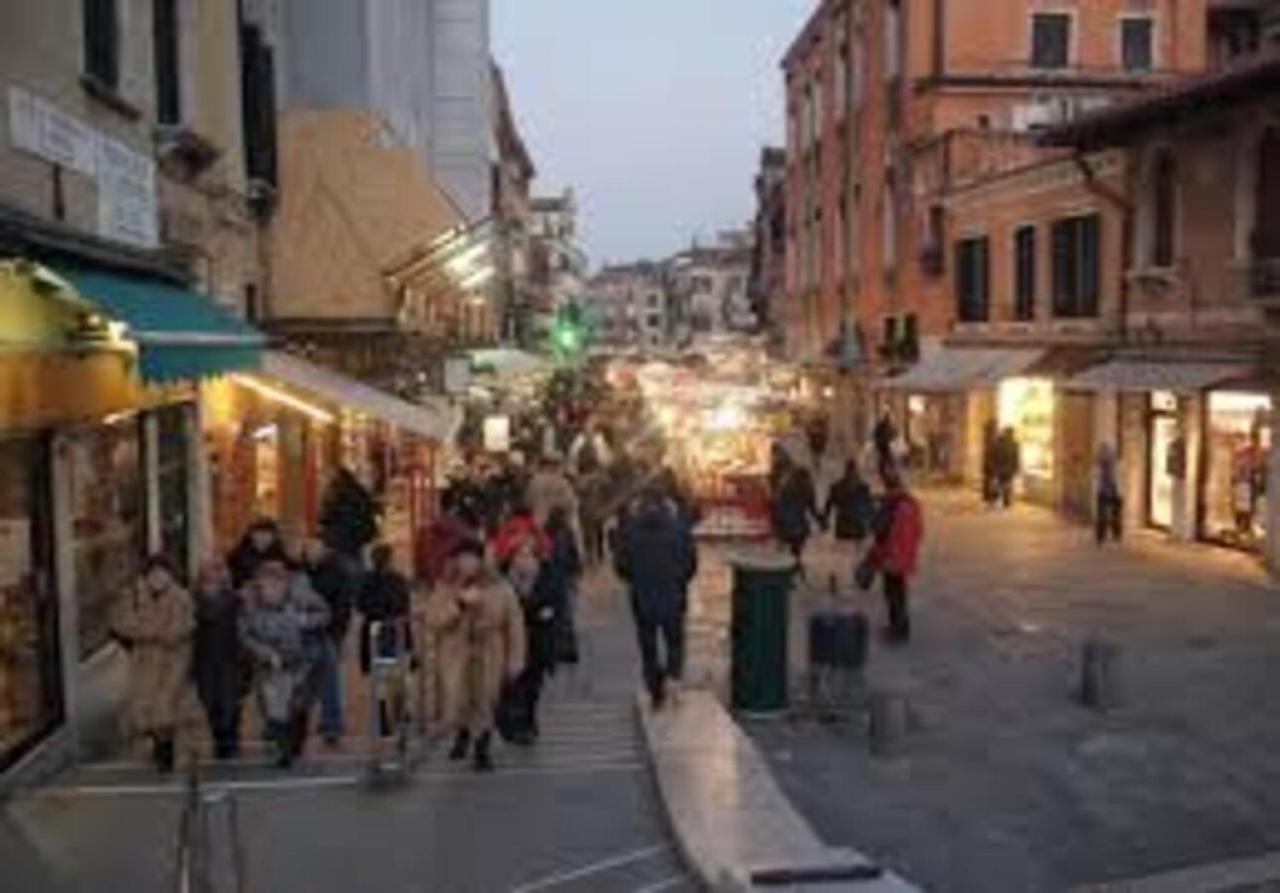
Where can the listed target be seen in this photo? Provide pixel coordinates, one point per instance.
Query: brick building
(889, 104)
(767, 284)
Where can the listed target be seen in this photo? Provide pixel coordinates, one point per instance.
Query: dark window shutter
(258, 89)
(1136, 37)
(168, 52)
(1164, 211)
(1064, 274)
(1266, 232)
(1024, 273)
(1050, 40)
(1090, 265)
(101, 42)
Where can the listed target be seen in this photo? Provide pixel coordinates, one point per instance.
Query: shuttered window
(101, 42)
(973, 280)
(1050, 40)
(1163, 209)
(1136, 44)
(1076, 267)
(168, 50)
(1024, 273)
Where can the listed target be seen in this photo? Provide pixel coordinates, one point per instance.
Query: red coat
(515, 532)
(899, 533)
(437, 542)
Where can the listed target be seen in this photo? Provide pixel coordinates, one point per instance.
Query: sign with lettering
(43, 129)
(126, 179)
(127, 207)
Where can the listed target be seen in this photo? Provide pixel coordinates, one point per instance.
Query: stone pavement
(576, 813)
(1007, 783)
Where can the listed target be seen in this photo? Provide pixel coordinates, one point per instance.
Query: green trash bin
(759, 631)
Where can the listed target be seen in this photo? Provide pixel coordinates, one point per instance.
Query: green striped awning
(181, 334)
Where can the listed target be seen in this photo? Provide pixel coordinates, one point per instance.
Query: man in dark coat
(658, 559)
(1006, 460)
(330, 580)
(795, 503)
(348, 517)
(260, 544)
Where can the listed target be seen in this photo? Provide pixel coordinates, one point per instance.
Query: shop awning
(435, 421)
(181, 334)
(964, 368)
(508, 362)
(1141, 376)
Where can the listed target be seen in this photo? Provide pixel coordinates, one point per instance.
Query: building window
(857, 82)
(890, 223)
(973, 279)
(892, 39)
(842, 83)
(1050, 40)
(168, 50)
(910, 338)
(1163, 208)
(1137, 45)
(1076, 267)
(1266, 201)
(102, 42)
(258, 98)
(891, 332)
(1024, 273)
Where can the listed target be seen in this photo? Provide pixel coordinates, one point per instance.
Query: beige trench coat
(477, 650)
(159, 632)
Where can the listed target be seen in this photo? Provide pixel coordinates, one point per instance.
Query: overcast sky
(654, 111)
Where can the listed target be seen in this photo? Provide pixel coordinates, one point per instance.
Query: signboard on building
(127, 207)
(457, 375)
(126, 179)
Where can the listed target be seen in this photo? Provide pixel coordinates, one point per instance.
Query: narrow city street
(575, 813)
(1006, 783)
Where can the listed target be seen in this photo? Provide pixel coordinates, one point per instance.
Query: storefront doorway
(1165, 441)
(1238, 436)
(1029, 406)
(30, 677)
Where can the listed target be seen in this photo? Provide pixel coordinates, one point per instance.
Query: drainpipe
(1126, 207)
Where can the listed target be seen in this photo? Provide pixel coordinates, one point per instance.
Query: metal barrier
(397, 694)
(194, 864)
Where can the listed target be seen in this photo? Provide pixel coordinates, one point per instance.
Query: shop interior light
(478, 278)
(284, 398)
(465, 263)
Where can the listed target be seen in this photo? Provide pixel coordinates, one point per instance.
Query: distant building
(709, 285)
(767, 282)
(557, 264)
(513, 173)
(629, 304)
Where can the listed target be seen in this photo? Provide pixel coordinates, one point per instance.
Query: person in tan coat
(155, 623)
(480, 641)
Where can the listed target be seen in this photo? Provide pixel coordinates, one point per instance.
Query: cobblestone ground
(1007, 784)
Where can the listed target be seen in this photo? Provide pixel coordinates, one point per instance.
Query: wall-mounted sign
(126, 179)
(457, 375)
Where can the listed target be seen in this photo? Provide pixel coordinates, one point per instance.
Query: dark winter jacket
(349, 516)
(657, 557)
(383, 597)
(216, 660)
(854, 507)
(795, 502)
(245, 559)
(332, 582)
(1006, 458)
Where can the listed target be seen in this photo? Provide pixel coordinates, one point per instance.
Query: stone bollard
(890, 723)
(1100, 686)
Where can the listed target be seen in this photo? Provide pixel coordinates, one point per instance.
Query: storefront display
(1166, 464)
(108, 522)
(173, 471)
(1238, 437)
(30, 693)
(1027, 405)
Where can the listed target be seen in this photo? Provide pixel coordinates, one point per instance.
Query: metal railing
(398, 703)
(195, 865)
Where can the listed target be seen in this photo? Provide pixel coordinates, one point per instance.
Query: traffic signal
(568, 334)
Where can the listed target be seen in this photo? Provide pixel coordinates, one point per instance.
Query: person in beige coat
(480, 642)
(155, 623)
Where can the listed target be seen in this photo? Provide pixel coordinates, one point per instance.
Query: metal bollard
(889, 723)
(1100, 685)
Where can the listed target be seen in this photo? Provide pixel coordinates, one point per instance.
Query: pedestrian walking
(990, 436)
(549, 488)
(218, 662)
(331, 581)
(1006, 466)
(517, 718)
(658, 559)
(593, 511)
(281, 628)
(795, 504)
(480, 640)
(384, 600)
(349, 520)
(561, 576)
(261, 543)
(899, 531)
(884, 437)
(853, 507)
(155, 623)
(1109, 512)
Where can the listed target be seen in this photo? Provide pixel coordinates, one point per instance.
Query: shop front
(1237, 442)
(1029, 406)
(277, 436)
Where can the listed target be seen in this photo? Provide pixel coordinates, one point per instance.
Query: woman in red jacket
(899, 530)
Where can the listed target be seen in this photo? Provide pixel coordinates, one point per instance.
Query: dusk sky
(654, 111)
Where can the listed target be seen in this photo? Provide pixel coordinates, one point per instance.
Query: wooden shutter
(1266, 230)
(168, 53)
(101, 42)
